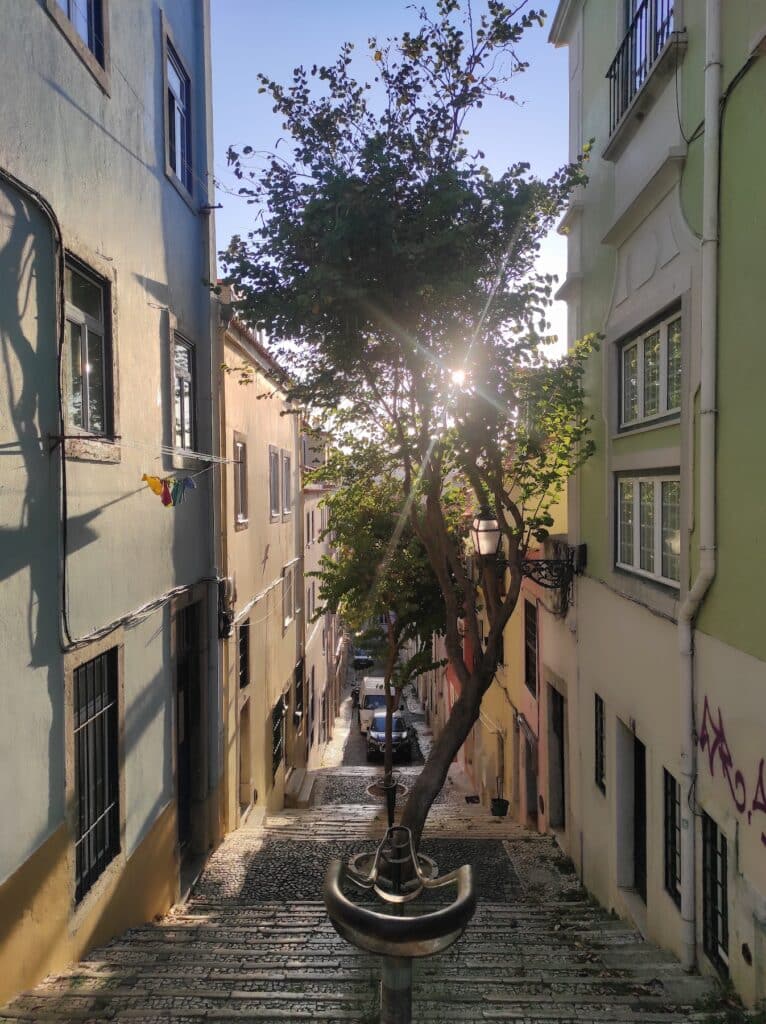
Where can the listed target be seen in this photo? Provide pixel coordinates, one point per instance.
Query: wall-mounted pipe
(707, 478)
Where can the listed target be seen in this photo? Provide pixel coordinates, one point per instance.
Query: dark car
(400, 736)
(363, 659)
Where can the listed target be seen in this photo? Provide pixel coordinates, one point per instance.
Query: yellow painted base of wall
(40, 930)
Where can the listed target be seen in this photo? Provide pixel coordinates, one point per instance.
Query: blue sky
(274, 37)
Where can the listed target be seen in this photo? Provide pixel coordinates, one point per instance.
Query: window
(648, 27)
(87, 20)
(183, 394)
(287, 484)
(308, 602)
(298, 682)
(96, 769)
(178, 142)
(312, 708)
(530, 647)
(324, 640)
(715, 911)
(89, 357)
(277, 735)
(672, 815)
(243, 653)
(650, 374)
(308, 528)
(288, 609)
(649, 527)
(240, 481)
(600, 744)
(274, 504)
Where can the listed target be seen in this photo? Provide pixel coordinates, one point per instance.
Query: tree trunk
(465, 713)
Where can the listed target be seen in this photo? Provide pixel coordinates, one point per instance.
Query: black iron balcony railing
(647, 34)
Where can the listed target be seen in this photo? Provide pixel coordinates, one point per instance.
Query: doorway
(631, 811)
(639, 818)
(557, 802)
(530, 779)
(189, 746)
(245, 787)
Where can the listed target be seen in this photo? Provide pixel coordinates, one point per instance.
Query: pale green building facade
(665, 262)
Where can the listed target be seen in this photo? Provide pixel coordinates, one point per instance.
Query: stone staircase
(253, 943)
(561, 964)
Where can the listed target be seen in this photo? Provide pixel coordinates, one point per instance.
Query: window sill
(180, 188)
(642, 574)
(186, 458)
(662, 70)
(91, 449)
(100, 74)
(241, 524)
(670, 419)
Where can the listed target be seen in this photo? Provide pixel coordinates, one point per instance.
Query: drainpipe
(707, 456)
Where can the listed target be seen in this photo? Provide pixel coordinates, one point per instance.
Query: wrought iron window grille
(649, 30)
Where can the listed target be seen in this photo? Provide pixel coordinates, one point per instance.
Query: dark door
(639, 818)
(530, 767)
(187, 690)
(558, 761)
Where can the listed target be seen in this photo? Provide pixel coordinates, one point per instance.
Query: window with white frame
(274, 494)
(240, 481)
(649, 527)
(650, 374)
(88, 356)
(183, 394)
(287, 484)
(178, 142)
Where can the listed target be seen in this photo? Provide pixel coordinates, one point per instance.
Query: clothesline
(163, 449)
(172, 489)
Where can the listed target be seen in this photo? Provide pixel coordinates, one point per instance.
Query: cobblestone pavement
(253, 943)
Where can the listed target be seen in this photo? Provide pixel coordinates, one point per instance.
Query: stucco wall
(256, 558)
(99, 159)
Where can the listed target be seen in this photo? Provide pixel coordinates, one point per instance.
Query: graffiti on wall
(712, 739)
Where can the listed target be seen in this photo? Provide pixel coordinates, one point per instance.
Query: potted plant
(498, 805)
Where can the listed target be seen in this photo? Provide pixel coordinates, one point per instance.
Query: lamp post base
(396, 990)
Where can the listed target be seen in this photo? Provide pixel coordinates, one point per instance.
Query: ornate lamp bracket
(557, 573)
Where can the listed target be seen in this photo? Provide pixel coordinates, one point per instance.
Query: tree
(401, 272)
(379, 569)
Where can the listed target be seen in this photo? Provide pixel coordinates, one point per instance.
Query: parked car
(401, 745)
(363, 659)
(372, 698)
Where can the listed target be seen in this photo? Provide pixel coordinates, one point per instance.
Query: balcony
(646, 57)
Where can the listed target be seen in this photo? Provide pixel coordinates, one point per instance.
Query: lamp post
(549, 573)
(485, 534)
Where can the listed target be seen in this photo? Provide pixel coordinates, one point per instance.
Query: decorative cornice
(560, 24)
(660, 182)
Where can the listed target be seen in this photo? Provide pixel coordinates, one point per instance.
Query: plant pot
(498, 806)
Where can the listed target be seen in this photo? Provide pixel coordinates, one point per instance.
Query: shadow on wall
(29, 495)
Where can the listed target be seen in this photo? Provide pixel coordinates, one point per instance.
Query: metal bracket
(556, 573)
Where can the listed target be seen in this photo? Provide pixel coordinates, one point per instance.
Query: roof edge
(561, 22)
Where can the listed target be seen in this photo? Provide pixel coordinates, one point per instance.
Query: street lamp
(485, 534)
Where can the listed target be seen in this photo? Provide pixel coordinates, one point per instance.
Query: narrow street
(253, 943)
